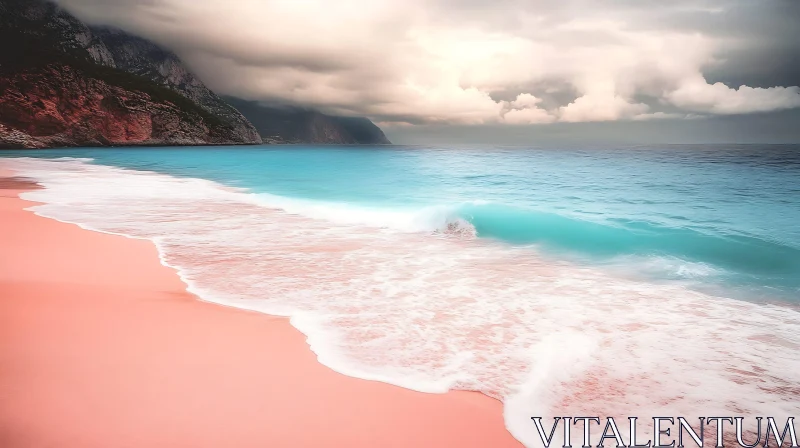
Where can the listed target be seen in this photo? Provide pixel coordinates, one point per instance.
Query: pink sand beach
(102, 346)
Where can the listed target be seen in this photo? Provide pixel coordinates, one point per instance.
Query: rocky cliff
(63, 83)
(287, 124)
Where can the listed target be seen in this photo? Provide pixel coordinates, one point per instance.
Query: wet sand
(102, 346)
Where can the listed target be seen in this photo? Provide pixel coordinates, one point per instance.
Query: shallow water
(633, 281)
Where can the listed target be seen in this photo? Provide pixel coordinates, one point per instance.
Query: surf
(432, 312)
(656, 251)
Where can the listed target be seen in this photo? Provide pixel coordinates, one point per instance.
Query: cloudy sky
(441, 69)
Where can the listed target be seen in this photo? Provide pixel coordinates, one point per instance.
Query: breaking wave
(657, 251)
(391, 295)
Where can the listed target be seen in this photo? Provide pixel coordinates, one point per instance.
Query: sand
(102, 346)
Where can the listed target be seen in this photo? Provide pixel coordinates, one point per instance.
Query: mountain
(63, 83)
(288, 124)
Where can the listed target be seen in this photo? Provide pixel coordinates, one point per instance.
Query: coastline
(101, 345)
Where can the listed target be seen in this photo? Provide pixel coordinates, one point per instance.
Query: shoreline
(102, 345)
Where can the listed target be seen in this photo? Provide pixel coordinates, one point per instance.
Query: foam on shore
(432, 312)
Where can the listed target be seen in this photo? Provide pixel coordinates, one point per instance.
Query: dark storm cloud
(763, 47)
(483, 61)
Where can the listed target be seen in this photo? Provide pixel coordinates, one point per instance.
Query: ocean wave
(668, 267)
(674, 252)
(661, 252)
(667, 251)
(614, 238)
(394, 303)
(436, 218)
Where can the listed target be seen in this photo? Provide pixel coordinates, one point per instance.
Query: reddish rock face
(63, 83)
(59, 105)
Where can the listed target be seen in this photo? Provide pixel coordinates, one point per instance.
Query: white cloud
(606, 107)
(443, 61)
(525, 110)
(697, 95)
(525, 101)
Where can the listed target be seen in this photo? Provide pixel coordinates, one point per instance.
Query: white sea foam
(436, 219)
(665, 267)
(435, 313)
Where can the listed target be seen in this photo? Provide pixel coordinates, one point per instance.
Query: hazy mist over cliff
(500, 71)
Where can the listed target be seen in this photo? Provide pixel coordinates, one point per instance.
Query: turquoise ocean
(650, 280)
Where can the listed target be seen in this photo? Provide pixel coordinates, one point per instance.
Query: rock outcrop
(287, 124)
(141, 57)
(63, 83)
